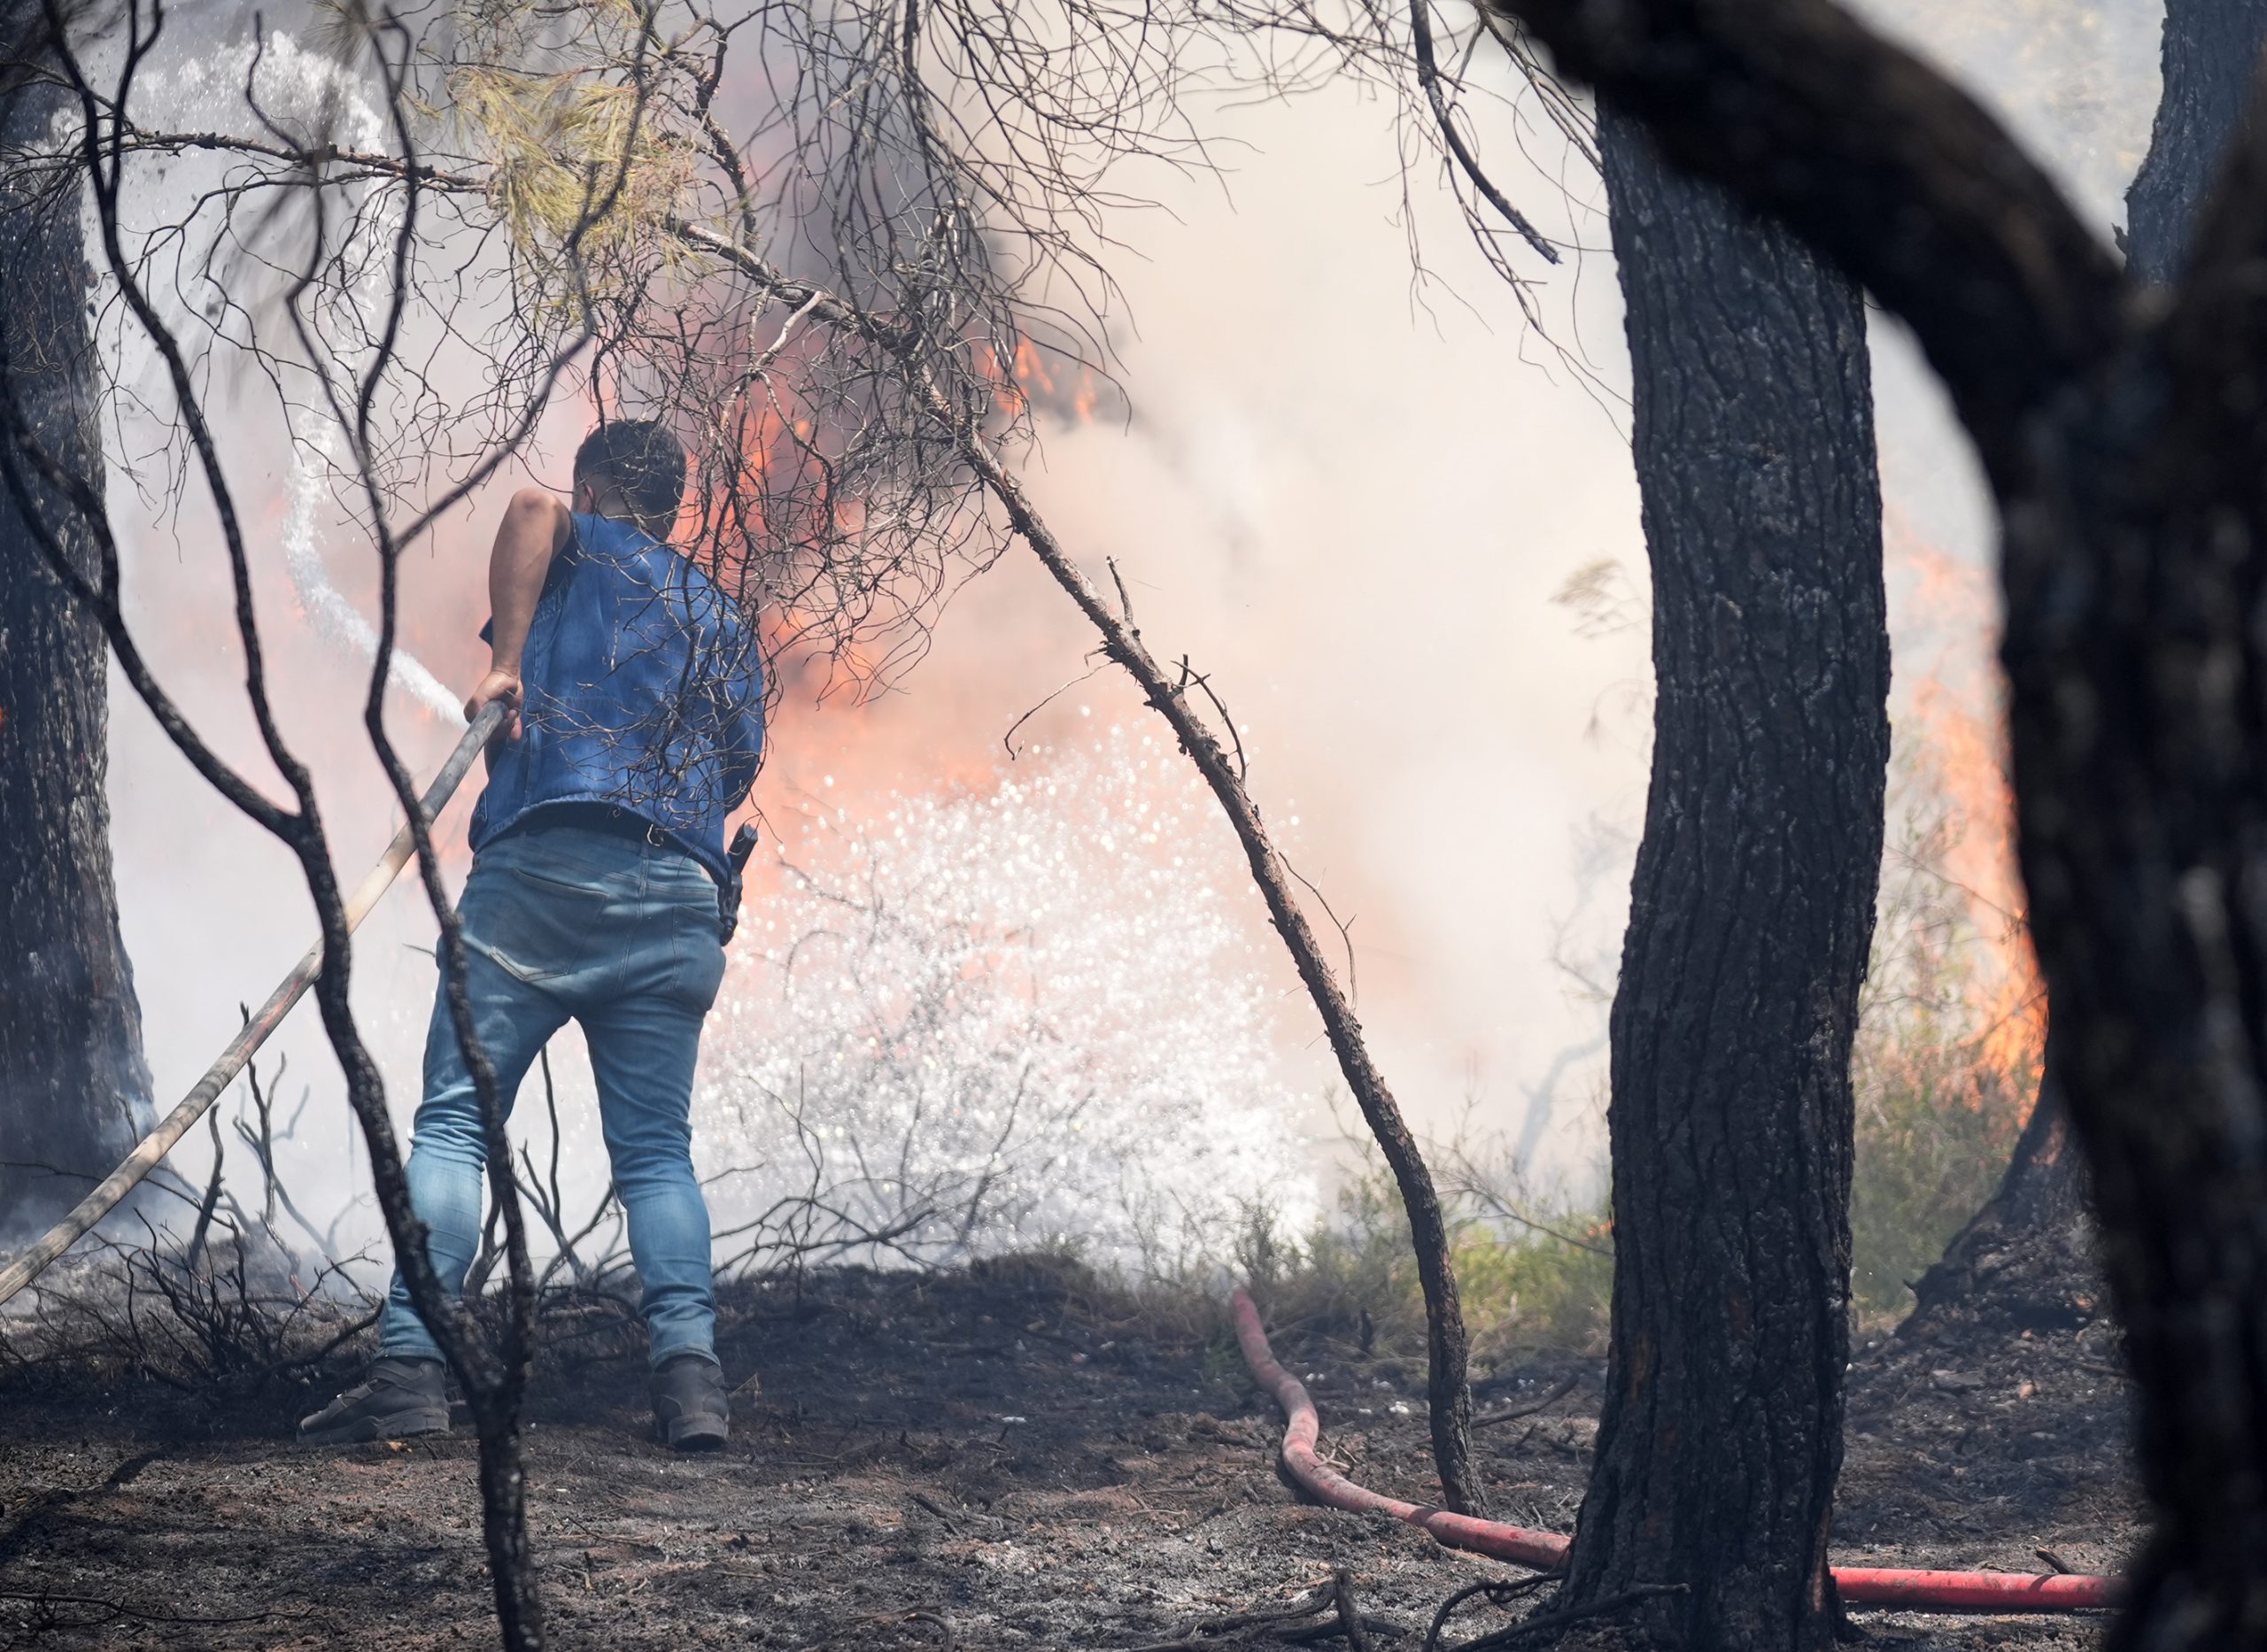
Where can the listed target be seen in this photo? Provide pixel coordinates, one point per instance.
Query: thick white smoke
(1350, 501)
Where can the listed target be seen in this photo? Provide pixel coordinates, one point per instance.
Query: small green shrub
(1531, 1273)
(1929, 1156)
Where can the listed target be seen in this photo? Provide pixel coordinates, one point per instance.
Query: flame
(1030, 372)
(1967, 756)
(1957, 714)
(1031, 384)
(842, 735)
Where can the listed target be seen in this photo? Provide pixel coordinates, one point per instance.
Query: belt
(598, 817)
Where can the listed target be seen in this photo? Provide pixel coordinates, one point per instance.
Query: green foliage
(585, 130)
(1927, 1160)
(1354, 1278)
(572, 155)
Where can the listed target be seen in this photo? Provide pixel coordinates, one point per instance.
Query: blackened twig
(1342, 1593)
(196, 1246)
(1428, 76)
(1488, 1420)
(1498, 1594)
(119, 1608)
(1545, 1623)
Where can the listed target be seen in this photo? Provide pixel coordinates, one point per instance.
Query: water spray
(295, 82)
(334, 619)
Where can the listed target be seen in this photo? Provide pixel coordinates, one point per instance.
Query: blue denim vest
(644, 690)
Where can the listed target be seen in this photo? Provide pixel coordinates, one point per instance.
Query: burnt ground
(1004, 1452)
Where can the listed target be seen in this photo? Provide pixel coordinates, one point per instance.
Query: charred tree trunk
(2212, 48)
(1751, 917)
(74, 1089)
(2126, 437)
(2027, 1260)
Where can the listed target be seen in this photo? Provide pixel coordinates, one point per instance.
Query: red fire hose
(1546, 1551)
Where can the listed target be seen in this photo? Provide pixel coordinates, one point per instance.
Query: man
(599, 891)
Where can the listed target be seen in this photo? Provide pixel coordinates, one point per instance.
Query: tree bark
(2027, 1260)
(74, 1092)
(2210, 49)
(2126, 436)
(1752, 914)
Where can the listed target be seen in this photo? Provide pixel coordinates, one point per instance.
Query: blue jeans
(621, 936)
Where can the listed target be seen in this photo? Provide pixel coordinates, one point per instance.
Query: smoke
(307, 91)
(1347, 493)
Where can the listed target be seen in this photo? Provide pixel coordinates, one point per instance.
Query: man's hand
(534, 530)
(505, 686)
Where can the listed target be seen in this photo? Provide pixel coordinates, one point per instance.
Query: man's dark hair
(642, 462)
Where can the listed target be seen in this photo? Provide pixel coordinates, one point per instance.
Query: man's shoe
(398, 1398)
(690, 1410)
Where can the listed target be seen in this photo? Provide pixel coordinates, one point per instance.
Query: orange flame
(1959, 720)
(1029, 383)
(1967, 756)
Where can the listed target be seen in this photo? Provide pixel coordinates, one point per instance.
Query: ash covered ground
(1005, 1457)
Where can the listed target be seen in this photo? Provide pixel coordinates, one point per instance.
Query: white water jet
(334, 619)
(300, 87)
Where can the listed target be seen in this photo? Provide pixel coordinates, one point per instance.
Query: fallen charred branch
(46, 1615)
(1545, 1623)
(1329, 1611)
(1513, 1414)
(1497, 1594)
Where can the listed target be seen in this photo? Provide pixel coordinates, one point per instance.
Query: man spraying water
(601, 892)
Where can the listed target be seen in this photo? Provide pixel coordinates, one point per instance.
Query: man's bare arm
(534, 530)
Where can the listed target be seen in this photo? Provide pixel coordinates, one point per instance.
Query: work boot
(690, 1410)
(400, 1397)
